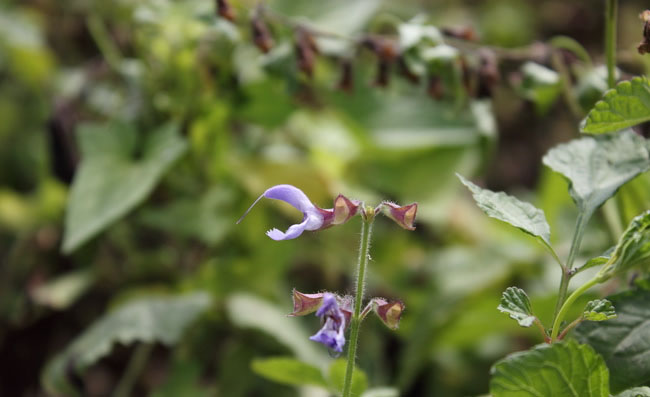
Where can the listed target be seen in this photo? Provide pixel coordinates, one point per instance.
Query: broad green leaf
(64, 290)
(113, 178)
(623, 341)
(598, 260)
(249, 311)
(625, 106)
(633, 248)
(337, 378)
(509, 209)
(381, 392)
(565, 369)
(636, 392)
(289, 371)
(515, 302)
(540, 85)
(153, 319)
(596, 168)
(599, 310)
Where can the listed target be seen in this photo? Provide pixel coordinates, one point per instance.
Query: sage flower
(332, 334)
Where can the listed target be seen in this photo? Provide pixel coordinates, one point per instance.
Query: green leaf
(64, 290)
(515, 302)
(596, 168)
(632, 250)
(112, 178)
(636, 392)
(625, 106)
(623, 341)
(540, 85)
(598, 260)
(153, 319)
(560, 369)
(599, 310)
(289, 371)
(509, 209)
(337, 378)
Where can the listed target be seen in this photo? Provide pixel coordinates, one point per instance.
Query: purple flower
(314, 218)
(332, 334)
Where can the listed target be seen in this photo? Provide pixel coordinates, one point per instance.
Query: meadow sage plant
(338, 313)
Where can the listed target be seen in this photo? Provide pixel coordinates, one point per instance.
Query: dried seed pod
(306, 51)
(383, 73)
(644, 45)
(406, 72)
(461, 32)
(260, 31)
(346, 82)
(435, 88)
(225, 10)
(386, 51)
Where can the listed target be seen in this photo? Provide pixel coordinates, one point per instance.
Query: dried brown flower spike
(306, 51)
(261, 34)
(225, 10)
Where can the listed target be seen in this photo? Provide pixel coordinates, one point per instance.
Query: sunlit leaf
(625, 106)
(515, 303)
(337, 378)
(596, 168)
(599, 310)
(289, 371)
(64, 290)
(113, 178)
(153, 319)
(509, 209)
(559, 369)
(623, 341)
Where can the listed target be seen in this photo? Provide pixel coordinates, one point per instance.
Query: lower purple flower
(332, 334)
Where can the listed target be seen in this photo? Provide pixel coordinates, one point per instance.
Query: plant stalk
(610, 40)
(567, 270)
(133, 370)
(355, 321)
(567, 304)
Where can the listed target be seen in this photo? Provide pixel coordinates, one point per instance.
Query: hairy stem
(610, 40)
(567, 304)
(567, 270)
(355, 321)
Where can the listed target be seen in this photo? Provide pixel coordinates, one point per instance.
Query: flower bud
(305, 303)
(389, 312)
(261, 34)
(404, 215)
(344, 209)
(225, 10)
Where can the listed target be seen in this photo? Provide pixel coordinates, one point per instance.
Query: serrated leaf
(627, 105)
(515, 302)
(289, 371)
(599, 310)
(154, 319)
(633, 248)
(623, 342)
(112, 179)
(596, 168)
(337, 378)
(509, 209)
(636, 392)
(565, 369)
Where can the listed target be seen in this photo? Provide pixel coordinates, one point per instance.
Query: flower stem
(610, 40)
(355, 321)
(567, 304)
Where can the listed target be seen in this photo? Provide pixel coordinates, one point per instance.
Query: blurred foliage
(134, 134)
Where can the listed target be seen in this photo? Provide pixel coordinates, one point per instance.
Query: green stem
(610, 40)
(567, 270)
(102, 38)
(366, 231)
(570, 327)
(567, 304)
(134, 368)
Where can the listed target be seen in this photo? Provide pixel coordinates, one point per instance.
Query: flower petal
(292, 195)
